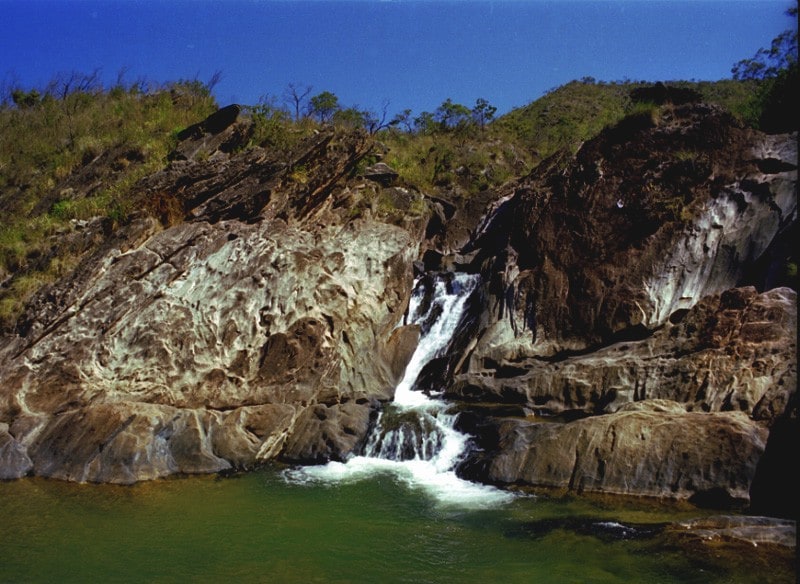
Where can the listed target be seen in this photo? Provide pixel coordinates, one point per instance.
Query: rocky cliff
(250, 322)
(627, 338)
(611, 301)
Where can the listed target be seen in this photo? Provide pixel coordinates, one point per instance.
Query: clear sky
(415, 54)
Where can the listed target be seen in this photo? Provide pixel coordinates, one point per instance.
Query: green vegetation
(70, 152)
(567, 116)
(773, 107)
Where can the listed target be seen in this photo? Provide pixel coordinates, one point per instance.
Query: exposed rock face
(244, 316)
(610, 293)
(381, 173)
(259, 327)
(14, 460)
(646, 220)
(732, 351)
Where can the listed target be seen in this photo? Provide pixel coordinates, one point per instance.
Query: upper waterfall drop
(439, 319)
(415, 436)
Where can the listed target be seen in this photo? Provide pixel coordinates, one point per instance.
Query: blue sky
(415, 54)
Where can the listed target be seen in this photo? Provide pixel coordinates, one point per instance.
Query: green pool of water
(257, 527)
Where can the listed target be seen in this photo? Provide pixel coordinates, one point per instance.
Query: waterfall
(415, 437)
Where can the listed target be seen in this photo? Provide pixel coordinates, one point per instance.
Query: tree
(451, 116)
(425, 123)
(296, 95)
(775, 102)
(483, 112)
(403, 118)
(25, 99)
(375, 122)
(322, 106)
(769, 63)
(350, 117)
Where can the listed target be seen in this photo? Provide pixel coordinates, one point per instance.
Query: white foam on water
(444, 487)
(435, 455)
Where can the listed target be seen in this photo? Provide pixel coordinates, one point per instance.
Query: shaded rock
(324, 433)
(774, 491)
(218, 133)
(649, 452)
(213, 124)
(400, 347)
(661, 94)
(732, 351)
(639, 224)
(611, 301)
(246, 435)
(123, 443)
(606, 531)
(14, 460)
(381, 173)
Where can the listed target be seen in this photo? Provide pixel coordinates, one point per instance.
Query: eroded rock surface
(651, 449)
(732, 351)
(248, 322)
(246, 314)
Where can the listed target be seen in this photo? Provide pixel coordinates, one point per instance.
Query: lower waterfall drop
(414, 437)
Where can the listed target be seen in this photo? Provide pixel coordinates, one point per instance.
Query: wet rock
(324, 433)
(123, 443)
(606, 531)
(753, 531)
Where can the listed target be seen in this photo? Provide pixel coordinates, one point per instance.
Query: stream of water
(414, 437)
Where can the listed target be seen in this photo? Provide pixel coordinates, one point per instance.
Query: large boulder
(649, 448)
(643, 222)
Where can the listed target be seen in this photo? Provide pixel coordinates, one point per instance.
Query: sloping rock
(381, 173)
(217, 133)
(199, 344)
(645, 220)
(14, 459)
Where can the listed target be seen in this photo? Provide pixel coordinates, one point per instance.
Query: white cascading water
(414, 438)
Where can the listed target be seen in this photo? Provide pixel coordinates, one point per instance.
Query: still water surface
(267, 527)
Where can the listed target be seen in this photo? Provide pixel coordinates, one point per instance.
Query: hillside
(577, 111)
(193, 293)
(70, 158)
